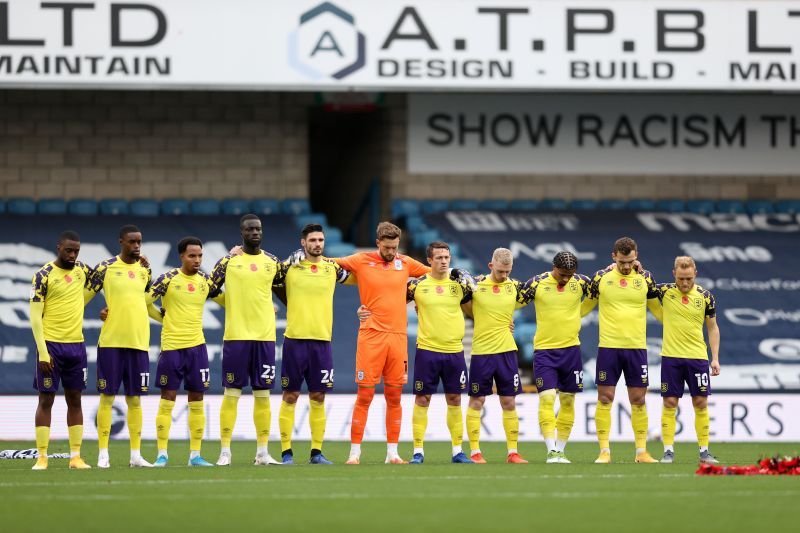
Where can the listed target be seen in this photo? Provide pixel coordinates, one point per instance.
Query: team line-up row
(243, 282)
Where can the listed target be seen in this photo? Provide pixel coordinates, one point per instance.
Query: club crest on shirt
(698, 303)
(453, 290)
(573, 286)
(398, 264)
(637, 284)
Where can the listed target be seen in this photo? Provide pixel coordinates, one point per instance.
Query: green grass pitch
(436, 496)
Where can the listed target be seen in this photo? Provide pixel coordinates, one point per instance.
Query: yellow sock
(164, 422)
(566, 415)
(75, 438)
(668, 421)
(455, 423)
(639, 423)
(227, 415)
(197, 425)
(419, 424)
(135, 421)
(317, 420)
(262, 417)
(286, 424)
(602, 420)
(547, 417)
(104, 420)
(701, 426)
(42, 439)
(474, 428)
(511, 426)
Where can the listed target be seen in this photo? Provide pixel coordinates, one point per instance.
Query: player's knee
(476, 402)
(316, 396)
(670, 402)
(133, 401)
(699, 402)
(72, 398)
(636, 395)
(172, 395)
(233, 393)
(191, 397)
(365, 395)
(291, 397)
(392, 395)
(508, 403)
(106, 400)
(46, 400)
(423, 400)
(452, 399)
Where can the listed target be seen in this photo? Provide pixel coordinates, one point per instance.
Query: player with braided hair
(557, 364)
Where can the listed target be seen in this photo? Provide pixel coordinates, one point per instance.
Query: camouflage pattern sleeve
(652, 290)
(218, 273)
(99, 275)
(39, 284)
(159, 288)
(584, 282)
(411, 288)
(711, 303)
(342, 275)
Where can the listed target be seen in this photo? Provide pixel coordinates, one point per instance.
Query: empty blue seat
(524, 205)
(235, 206)
(204, 206)
(466, 264)
(174, 206)
(114, 206)
(340, 249)
(671, 206)
(730, 206)
(583, 204)
(52, 206)
(310, 218)
(612, 204)
(464, 205)
(21, 206)
(82, 207)
(403, 208)
(423, 238)
(265, 206)
(641, 204)
(787, 206)
(553, 204)
(144, 208)
(700, 207)
(333, 235)
(759, 207)
(494, 205)
(295, 206)
(434, 206)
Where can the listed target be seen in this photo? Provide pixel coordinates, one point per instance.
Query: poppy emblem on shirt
(253, 267)
(560, 288)
(439, 290)
(623, 283)
(68, 279)
(496, 289)
(685, 300)
(190, 287)
(314, 269)
(131, 274)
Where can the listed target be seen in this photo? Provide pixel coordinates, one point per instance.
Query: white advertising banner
(734, 418)
(604, 134)
(402, 45)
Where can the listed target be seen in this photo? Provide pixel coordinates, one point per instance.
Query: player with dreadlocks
(557, 363)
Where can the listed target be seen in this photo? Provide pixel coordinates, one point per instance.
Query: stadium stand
(114, 206)
(83, 207)
(174, 206)
(204, 207)
(52, 206)
(144, 208)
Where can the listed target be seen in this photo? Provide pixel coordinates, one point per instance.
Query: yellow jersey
(248, 280)
(309, 298)
(493, 306)
(684, 316)
(623, 307)
(440, 319)
(62, 293)
(182, 299)
(558, 310)
(125, 288)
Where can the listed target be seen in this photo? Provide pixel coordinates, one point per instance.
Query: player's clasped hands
(463, 278)
(296, 257)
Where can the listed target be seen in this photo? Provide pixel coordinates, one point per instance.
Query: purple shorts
(307, 360)
(248, 362)
(189, 365)
(501, 368)
(558, 368)
(614, 362)
(124, 366)
(430, 367)
(675, 371)
(69, 366)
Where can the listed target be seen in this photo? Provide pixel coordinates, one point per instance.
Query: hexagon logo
(327, 43)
